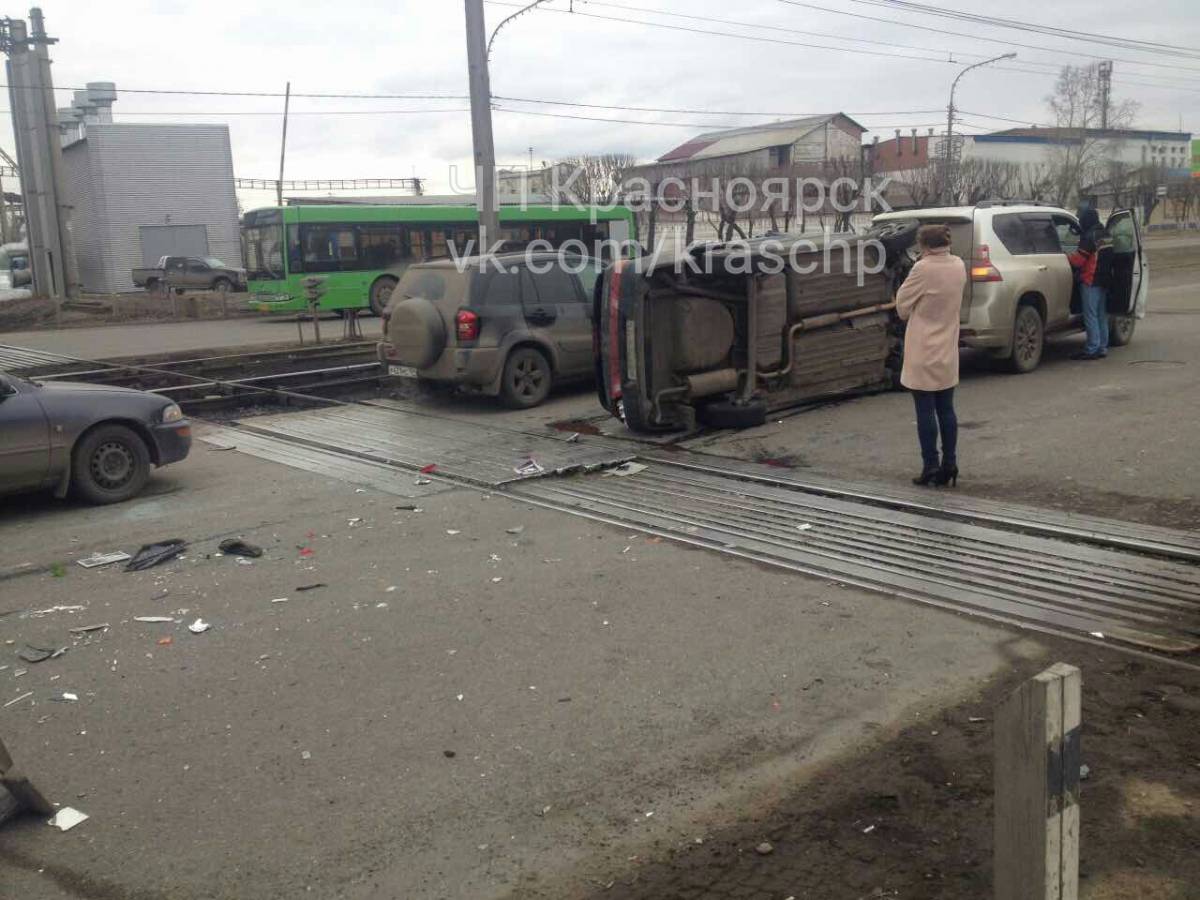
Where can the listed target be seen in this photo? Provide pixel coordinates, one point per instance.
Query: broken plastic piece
(153, 619)
(626, 469)
(153, 555)
(199, 627)
(84, 629)
(529, 467)
(429, 469)
(103, 559)
(238, 547)
(67, 818)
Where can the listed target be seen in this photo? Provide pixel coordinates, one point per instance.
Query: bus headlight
(171, 414)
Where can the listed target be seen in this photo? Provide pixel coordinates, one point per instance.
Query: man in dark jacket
(1093, 266)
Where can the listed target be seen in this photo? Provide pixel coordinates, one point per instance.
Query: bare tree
(1078, 107)
(600, 178)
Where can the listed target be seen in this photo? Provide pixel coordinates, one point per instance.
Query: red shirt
(1085, 262)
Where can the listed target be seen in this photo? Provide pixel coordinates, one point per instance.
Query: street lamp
(951, 156)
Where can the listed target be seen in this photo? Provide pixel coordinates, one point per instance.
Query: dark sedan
(95, 440)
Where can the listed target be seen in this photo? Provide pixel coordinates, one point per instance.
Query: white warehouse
(142, 191)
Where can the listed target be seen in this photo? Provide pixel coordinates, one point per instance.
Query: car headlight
(172, 413)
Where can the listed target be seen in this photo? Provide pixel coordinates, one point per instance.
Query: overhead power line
(1015, 24)
(978, 37)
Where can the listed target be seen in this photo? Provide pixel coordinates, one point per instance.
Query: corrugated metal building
(144, 190)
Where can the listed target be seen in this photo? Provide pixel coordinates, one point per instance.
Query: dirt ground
(910, 814)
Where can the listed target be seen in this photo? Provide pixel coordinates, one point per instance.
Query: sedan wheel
(110, 464)
(1120, 330)
(527, 378)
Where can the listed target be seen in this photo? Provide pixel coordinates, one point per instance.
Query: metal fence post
(1036, 850)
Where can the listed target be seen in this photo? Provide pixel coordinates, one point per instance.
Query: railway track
(305, 376)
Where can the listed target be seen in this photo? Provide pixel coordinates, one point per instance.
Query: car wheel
(222, 286)
(731, 414)
(1120, 330)
(527, 378)
(381, 293)
(1029, 339)
(896, 237)
(110, 464)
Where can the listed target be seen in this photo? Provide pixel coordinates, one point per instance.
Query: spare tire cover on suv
(417, 331)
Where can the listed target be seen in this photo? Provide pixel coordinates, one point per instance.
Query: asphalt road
(608, 692)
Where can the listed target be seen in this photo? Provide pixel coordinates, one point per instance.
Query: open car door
(1130, 273)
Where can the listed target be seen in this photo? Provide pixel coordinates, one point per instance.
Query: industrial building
(142, 191)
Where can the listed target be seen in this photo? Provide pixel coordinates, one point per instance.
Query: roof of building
(1057, 135)
(733, 141)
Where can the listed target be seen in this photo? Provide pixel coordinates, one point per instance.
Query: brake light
(466, 325)
(981, 265)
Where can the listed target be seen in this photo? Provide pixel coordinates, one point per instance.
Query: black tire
(1120, 330)
(896, 237)
(527, 378)
(222, 285)
(1029, 340)
(381, 293)
(110, 464)
(729, 414)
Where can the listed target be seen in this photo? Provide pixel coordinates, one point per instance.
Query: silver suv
(1021, 286)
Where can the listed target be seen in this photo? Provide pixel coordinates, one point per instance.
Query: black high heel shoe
(947, 475)
(928, 476)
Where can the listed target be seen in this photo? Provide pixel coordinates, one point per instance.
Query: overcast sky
(598, 55)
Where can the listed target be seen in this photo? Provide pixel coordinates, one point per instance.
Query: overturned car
(727, 333)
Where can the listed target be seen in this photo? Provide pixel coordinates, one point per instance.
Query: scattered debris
(766, 848)
(429, 469)
(199, 627)
(103, 559)
(153, 619)
(152, 555)
(16, 700)
(32, 654)
(530, 467)
(975, 720)
(626, 469)
(304, 754)
(84, 629)
(238, 547)
(166, 641)
(449, 754)
(38, 613)
(868, 829)
(311, 587)
(422, 481)
(1097, 634)
(497, 579)
(69, 697)
(408, 507)
(516, 529)
(67, 818)
(453, 531)
(805, 527)
(573, 438)
(1085, 772)
(460, 697)
(545, 811)
(355, 522)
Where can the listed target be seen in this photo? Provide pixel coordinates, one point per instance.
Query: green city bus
(360, 250)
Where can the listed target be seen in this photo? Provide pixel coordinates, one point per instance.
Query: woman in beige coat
(930, 301)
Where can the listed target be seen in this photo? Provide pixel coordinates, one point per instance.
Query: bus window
(380, 246)
(328, 248)
(295, 261)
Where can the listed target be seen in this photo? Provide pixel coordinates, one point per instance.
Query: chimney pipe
(914, 142)
(899, 144)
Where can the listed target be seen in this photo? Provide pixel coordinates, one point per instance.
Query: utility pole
(287, 98)
(951, 150)
(1105, 70)
(481, 125)
(39, 151)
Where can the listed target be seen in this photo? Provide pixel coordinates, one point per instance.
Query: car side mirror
(6, 391)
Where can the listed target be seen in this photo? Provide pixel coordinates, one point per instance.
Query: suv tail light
(981, 265)
(466, 325)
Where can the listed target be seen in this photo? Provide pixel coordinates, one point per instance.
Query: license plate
(402, 371)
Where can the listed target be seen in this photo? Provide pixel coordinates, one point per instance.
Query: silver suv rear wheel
(1029, 339)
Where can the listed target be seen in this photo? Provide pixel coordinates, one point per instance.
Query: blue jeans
(1095, 318)
(935, 413)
